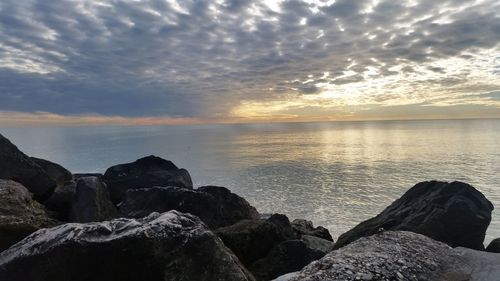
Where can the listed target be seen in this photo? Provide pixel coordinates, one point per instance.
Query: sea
(336, 174)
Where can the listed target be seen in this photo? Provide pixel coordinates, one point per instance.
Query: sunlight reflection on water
(336, 174)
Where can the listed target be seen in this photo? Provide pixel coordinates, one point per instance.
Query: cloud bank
(238, 60)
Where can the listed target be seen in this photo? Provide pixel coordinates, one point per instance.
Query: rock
(216, 206)
(401, 255)
(494, 246)
(232, 208)
(288, 256)
(55, 171)
(61, 200)
(306, 227)
(16, 166)
(318, 244)
(167, 247)
(19, 214)
(91, 201)
(454, 213)
(251, 240)
(145, 172)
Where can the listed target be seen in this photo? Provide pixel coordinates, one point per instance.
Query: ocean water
(336, 174)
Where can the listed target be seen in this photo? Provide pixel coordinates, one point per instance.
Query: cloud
(205, 59)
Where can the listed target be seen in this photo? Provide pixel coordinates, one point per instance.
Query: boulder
(145, 172)
(288, 256)
(19, 214)
(251, 240)
(167, 247)
(316, 243)
(15, 165)
(454, 213)
(494, 246)
(216, 206)
(55, 171)
(91, 201)
(400, 255)
(61, 200)
(306, 227)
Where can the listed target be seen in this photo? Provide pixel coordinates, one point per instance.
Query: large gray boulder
(91, 201)
(401, 255)
(144, 173)
(161, 247)
(19, 214)
(214, 205)
(17, 166)
(454, 213)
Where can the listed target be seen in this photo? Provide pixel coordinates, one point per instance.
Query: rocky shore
(145, 221)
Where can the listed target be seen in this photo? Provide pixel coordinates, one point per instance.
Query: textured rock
(91, 201)
(216, 206)
(494, 246)
(145, 172)
(306, 227)
(401, 255)
(454, 213)
(16, 166)
(55, 171)
(19, 214)
(288, 256)
(167, 247)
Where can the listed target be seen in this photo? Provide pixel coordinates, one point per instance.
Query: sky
(193, 61)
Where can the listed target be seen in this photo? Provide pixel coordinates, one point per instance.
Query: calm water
(335, 174)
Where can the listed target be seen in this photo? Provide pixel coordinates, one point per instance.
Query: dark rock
(16, 166)
(216, 206)
(232, 208)
(454, 213)
(316, 243)
(306, 227)
(55, 171)
(61, 200)
(91, 201)
(284, 227)
(144, 173)
(19, 214)
(251, 240)
(494, 246)
(167, 247)
(400, 255)
(288, 256)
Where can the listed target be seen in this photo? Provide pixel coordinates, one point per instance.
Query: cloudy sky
(167, 61)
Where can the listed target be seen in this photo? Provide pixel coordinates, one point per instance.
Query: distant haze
(179, 62)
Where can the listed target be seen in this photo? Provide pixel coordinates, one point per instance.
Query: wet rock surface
(454, 213)
(20, 215)
(171, 246)
(146, 172)
(17, 166)
(214, 205)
